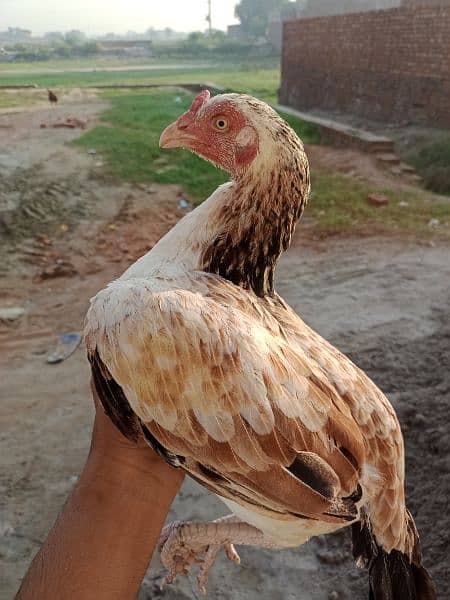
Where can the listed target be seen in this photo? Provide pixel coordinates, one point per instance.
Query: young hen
(193, 347)
(52, 98)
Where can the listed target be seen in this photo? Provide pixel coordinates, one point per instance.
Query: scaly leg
(182, 544)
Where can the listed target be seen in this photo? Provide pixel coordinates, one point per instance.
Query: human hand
(109, 444)
(103, 540)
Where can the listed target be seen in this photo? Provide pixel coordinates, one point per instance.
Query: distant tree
(254, 14)
(19, 32)
(195, 37)
(63, 50)
(74, 37)
(89, 48)
(53, 36)
(218, 35)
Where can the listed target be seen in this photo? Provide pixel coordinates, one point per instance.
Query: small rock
(403, 203)
(92, 268)
(333, 595)
(182, 203)
(12, 313)
(434, 223)
(43, 239)
(92, 151)
(377, 199)
(61, 268)
(6, 529)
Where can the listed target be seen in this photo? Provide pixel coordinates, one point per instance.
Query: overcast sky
(102, 16)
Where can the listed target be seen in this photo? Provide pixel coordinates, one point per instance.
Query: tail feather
(392, 575)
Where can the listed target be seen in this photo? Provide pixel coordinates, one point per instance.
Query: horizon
(99, 17)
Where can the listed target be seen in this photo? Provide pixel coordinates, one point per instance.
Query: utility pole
(208, 18)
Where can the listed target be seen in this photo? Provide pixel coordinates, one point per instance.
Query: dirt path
(383, 302)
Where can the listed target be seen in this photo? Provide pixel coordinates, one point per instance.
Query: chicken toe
(183, 545)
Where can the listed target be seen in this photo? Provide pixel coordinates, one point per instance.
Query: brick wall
(424, 2)
(319, 8)
(389, 65)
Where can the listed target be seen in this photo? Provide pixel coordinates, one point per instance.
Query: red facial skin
(198, 129)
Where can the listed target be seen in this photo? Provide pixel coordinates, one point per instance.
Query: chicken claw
(183, 545)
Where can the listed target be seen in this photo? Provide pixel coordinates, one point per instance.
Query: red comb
(189, 116)
(200, 101)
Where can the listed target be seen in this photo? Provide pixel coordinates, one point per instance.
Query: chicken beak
(174, 137)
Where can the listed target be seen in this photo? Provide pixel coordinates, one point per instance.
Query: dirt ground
(384, 302)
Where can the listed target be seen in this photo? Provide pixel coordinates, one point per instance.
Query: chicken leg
(182, 544)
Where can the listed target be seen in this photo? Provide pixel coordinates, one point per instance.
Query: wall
(319, 8)
(424, 2)
(389, 65)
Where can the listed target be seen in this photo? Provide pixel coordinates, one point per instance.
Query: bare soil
(385, 302)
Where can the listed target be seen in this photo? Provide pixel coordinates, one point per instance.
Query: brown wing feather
(240, 386)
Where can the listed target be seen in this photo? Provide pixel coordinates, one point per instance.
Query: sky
(102, 16)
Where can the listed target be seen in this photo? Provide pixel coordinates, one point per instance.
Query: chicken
(52, 98)
(193, 348)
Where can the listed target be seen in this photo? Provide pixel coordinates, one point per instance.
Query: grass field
(11, 100)
(128, 141)
(261, 79)
(81, 63)
(339, 204)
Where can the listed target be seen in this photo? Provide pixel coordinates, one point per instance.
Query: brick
(391, 65)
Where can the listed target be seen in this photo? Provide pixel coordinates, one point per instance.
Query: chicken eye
(221, 124)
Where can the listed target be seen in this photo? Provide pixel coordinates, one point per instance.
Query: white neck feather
(181, 247)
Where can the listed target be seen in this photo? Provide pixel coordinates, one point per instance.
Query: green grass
(432, 162)
(339, 204)
(17, 98)
(249, 77)
(77, 63)
(308, 132)
(129, 142)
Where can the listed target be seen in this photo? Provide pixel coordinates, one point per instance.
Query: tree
(254, 14)
(74, 37)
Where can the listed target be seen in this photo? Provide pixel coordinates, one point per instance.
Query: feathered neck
(255, 223)
(242, 229)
